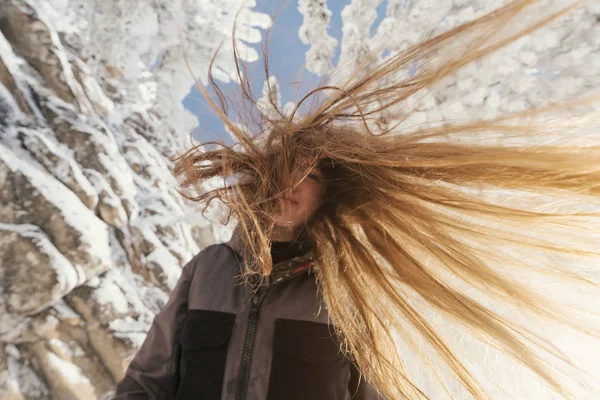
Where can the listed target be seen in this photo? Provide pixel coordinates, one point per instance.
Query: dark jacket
(215, 339)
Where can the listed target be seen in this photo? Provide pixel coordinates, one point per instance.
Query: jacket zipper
(244, 375)
(249, 343)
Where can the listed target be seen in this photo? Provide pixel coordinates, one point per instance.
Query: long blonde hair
(421, 225)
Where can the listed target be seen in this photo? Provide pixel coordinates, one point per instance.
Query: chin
(291, 220)
(289, 223)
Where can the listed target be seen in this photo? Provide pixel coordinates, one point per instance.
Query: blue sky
(286, 58)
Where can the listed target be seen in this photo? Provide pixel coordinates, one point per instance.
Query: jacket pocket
(307, 363)
(204, 339)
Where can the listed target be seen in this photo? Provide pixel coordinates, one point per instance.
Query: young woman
(354, 249)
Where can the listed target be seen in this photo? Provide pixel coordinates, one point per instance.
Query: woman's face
(300, 204)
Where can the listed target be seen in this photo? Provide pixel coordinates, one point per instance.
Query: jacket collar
(236, 243)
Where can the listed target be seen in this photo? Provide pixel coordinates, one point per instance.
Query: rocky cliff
(92, 231)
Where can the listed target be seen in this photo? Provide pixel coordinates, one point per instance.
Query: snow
(60, 348)
(70, 372)
(65, 168)
(65, 313)
(137, 180)
(270, 102)
(357, 18)
(93, 232)
(151, 297)
(135, 35)
(118, 173)
(12, 351)
(9, 59)
(60, 15)
(109, 160)
(168, 264)
(552, 64)
(115, 297)
(21, 378)
(67, 72)
(9, 109)
(112, 296)
(65, 275)
(130, 329)
(94, 91)
(313, 31)
(14, 65)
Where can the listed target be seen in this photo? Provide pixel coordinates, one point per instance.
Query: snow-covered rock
(93, 234)
(28, 252)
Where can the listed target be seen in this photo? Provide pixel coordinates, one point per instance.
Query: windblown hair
(418, 225)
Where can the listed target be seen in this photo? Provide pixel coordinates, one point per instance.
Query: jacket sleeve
(359, 388)
(152, 374)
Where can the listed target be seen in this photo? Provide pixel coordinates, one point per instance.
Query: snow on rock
(93, 234)
(92, 88)
(158, 261)
(109, 206)
(9, 109)
(94, 147)
(162, 266)
(64, 334)
(103, 301)
(18, 380)
(10, 64)
(44, 201)
(59, 163)
(26, 251)
(9, 387)
(134, 48)
(43, 50)
(12, 104)
(68, 381)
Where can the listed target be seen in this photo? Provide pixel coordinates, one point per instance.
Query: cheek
(313, 197)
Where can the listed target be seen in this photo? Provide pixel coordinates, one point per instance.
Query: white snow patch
(168, 263)
(93, 232)
(13, 112)
(12, 351)
(21, 378)
(65, 313)
(111, 295)
(70, 372)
